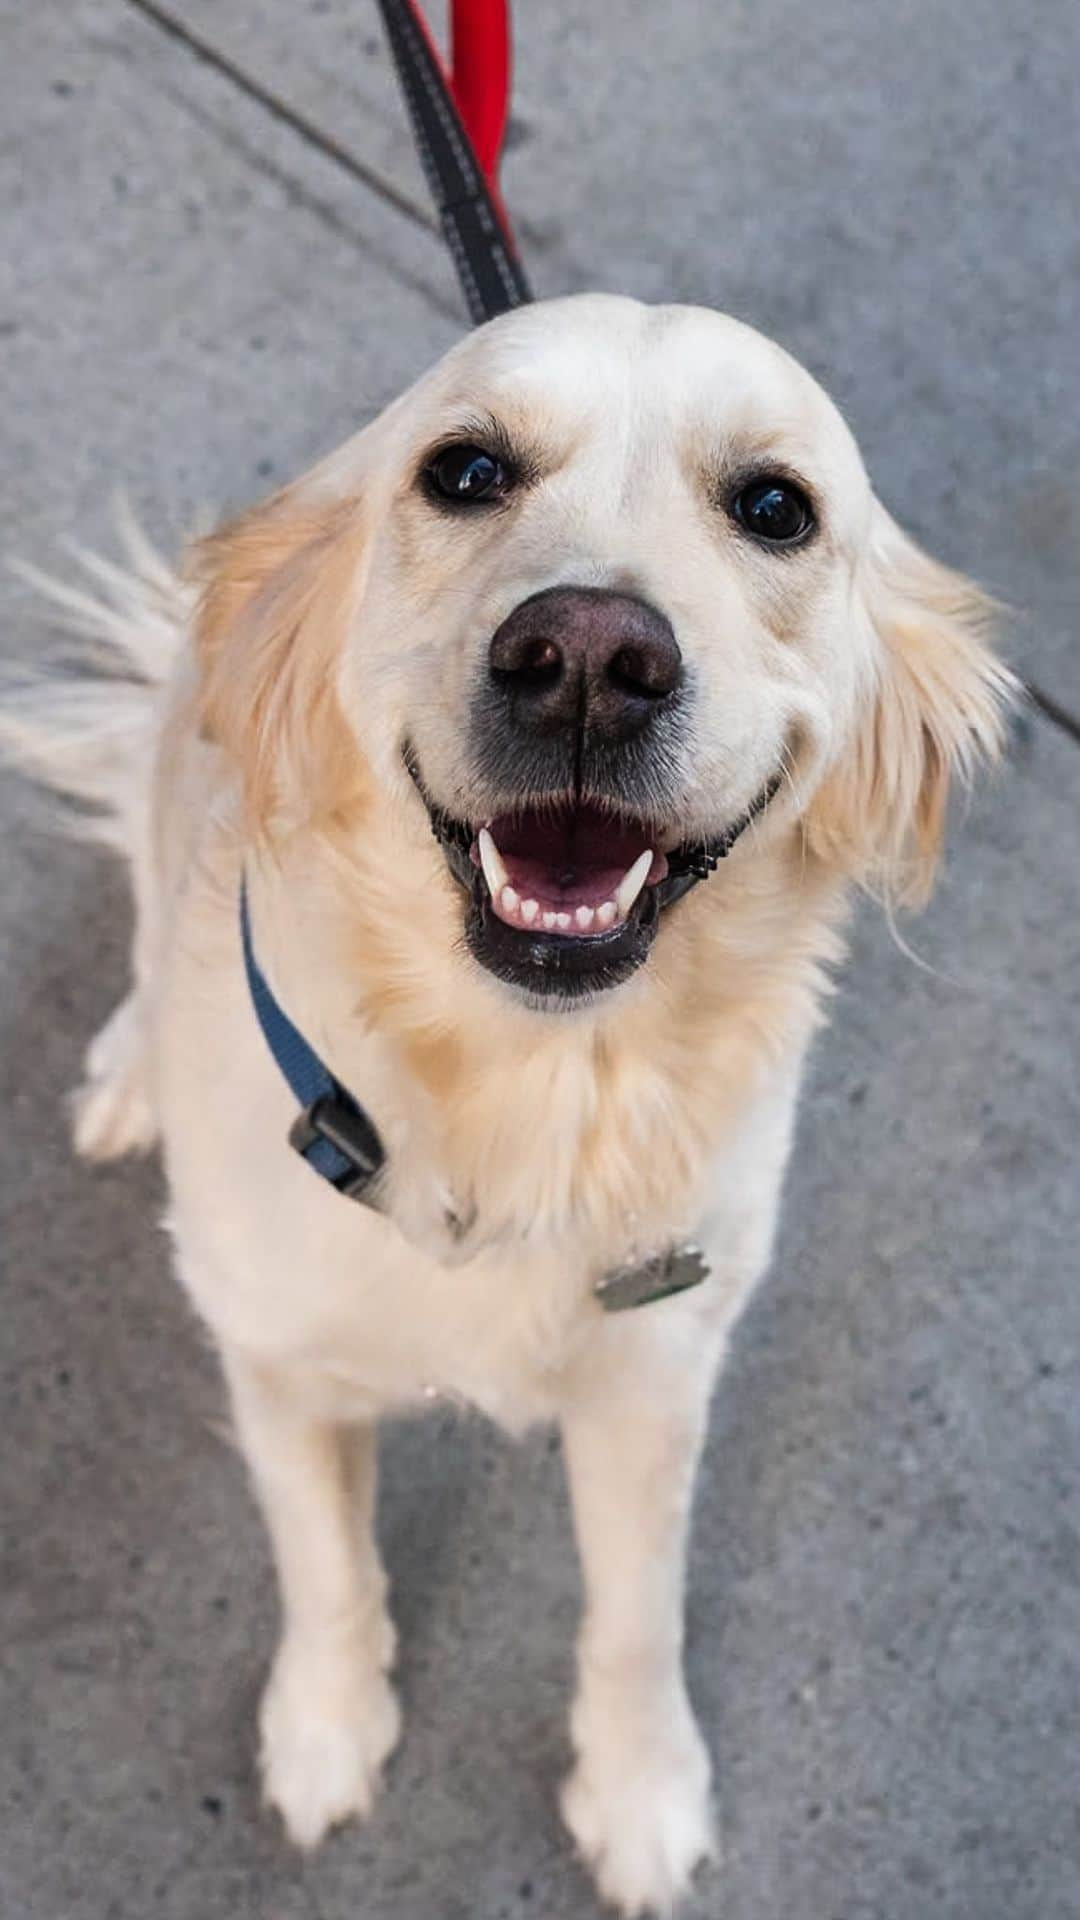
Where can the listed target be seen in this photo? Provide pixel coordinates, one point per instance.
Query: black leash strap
(472, 221)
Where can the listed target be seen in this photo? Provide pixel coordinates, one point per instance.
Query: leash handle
(459, 123)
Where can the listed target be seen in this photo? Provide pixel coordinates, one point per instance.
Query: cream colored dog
(604, 597)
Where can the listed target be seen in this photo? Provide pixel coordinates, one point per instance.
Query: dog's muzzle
(577, 728)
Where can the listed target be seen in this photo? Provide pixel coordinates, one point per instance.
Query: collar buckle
(336, 1137)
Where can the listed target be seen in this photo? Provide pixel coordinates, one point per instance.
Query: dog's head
(606, 596)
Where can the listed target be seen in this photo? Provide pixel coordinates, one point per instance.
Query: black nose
(585, 658)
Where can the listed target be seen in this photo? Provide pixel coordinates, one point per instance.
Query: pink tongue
(562, 890)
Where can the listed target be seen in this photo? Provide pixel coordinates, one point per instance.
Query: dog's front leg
(633, 1420)
(329, 1716)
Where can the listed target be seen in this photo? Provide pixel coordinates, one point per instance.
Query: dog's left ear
(277, 590)
(934, 709)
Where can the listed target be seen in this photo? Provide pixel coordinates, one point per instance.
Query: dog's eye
(467, 475)
(775, 510)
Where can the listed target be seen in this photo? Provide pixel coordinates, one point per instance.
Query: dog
(524, 756)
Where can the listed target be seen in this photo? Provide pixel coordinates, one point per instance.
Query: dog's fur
(268, 696)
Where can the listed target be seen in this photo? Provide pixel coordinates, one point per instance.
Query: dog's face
(613, 589)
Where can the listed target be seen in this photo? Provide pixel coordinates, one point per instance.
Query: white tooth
(529, 911)
(548, 920)
(632, 882)
(562, 921)
(492, 862)
(606, 914)
(584, 917)
(508, 899)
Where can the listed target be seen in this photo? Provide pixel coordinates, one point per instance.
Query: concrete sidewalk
(885, 1592)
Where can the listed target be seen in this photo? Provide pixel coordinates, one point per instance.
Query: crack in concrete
(279, 109)
(301, 196)
(1061, 717)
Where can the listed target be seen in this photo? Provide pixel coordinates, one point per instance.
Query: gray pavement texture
(884, 1616)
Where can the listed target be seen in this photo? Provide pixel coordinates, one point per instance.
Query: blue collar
(338, 1139)
(331, 1132)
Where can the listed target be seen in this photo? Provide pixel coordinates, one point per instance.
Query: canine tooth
(509, 899)
(605, 915)
(548, 920)
(529, 911)
(632, 882)
(584, 917)
(562, 921)
(492, 862)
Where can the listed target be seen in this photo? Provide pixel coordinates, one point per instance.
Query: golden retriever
(548, 724)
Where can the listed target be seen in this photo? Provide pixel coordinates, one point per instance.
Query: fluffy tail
(85, 725)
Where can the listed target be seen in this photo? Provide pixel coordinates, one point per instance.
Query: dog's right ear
(278, 588)
(935, 708)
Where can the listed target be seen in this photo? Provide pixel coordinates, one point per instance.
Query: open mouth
(573, 871)
(565, 898)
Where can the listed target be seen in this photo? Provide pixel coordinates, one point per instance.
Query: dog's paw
(325, 1735)
(641, 1815)
(112, 1112)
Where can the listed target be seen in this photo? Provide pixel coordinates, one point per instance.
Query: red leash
(459, 120)
(480, 83)
(480, 76)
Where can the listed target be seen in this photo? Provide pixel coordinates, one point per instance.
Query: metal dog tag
(653, 1279)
